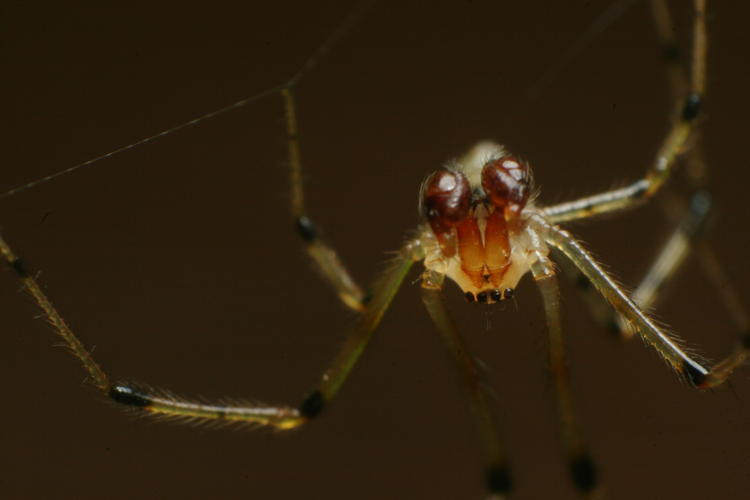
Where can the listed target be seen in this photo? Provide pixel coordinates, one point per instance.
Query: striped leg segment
(583, 471)
(166, 404)
(497, 473)
(622, 304)
(688, 234)
(696, 174)
(688, 110)
(597, 306)
(673, 254)
(667, 347)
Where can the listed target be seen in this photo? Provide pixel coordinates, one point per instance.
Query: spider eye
(507, 182)
(446, 201)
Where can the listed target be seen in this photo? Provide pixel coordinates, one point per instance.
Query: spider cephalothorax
(475, 208)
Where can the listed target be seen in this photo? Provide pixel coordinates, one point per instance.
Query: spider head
(474, 210)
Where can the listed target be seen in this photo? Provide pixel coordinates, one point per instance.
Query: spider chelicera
(483, 231)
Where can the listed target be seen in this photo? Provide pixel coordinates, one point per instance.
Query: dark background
(177, 263)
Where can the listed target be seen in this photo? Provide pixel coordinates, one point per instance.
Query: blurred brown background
(177, 262)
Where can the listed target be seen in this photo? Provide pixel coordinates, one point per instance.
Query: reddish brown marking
(471, 251)
(507, 183)
(496, 247)
(447, 198)
(447, 206)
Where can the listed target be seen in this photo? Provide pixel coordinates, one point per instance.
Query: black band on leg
(583, 282)
(613, 326)
(18, 267)
(700, 207)
(671, 53)
(312, 405)
(745, 340)
(306, 228)
(694, 373)
(692, 107)
(127, 396)
(584, 474)
(498, 479)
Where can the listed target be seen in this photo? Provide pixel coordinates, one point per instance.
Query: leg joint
(694, 373)
(18, 267)
(583, 472)
(306, 229)
(745, 340)
(692, 107)
(312, 405)
(671, 53)
(498, 479)
(126, 396)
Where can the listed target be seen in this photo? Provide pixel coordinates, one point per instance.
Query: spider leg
(688, 235)
(597, 306)
(688, 230)
(696, 172)
(653, 335)
(687, 112)
(323, 255)
(582, 468)
(166, 404)
(672, 255)
(677, 74)
(674, 252)
(497, 473)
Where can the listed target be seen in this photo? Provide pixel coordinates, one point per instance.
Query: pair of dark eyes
(447, 193)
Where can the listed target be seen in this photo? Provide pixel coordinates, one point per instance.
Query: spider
(487, 152)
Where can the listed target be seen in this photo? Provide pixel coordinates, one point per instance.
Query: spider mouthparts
(489, 296)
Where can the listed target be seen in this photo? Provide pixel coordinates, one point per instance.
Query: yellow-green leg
(164, 403)
(667, 346)
(583, 471)
(686, 113)
(685, 237)
(497, 476)
(689, 217)
(323, 255)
